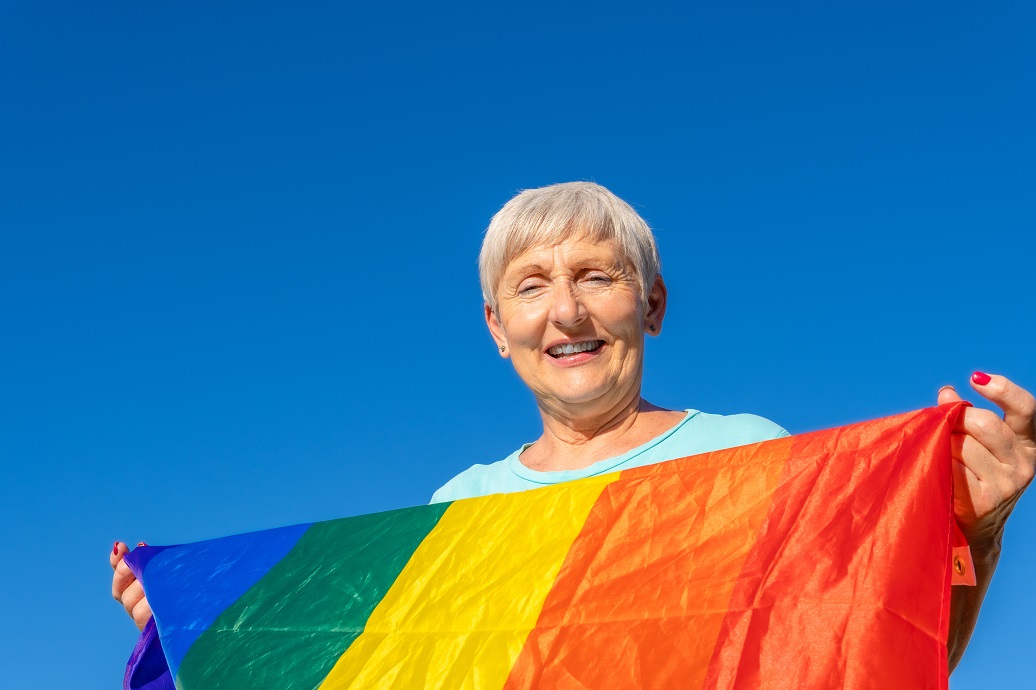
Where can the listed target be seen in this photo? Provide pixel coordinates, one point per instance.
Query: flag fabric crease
(821, 560)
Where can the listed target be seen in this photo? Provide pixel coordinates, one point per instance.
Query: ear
(656, 303)
(497, 331)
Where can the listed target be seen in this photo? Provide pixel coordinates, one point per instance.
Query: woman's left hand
(995, 458)
(994, 461)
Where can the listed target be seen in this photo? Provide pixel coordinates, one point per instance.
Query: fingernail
(947, 388)
(980, 378)
(140, 543)
(115, 549)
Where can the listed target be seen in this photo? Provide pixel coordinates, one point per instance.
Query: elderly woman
(570, 276)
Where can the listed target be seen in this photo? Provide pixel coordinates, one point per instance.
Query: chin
(585, 396)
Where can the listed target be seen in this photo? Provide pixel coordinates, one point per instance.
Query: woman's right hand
(126, 589)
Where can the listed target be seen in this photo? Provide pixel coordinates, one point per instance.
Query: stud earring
(503, 349)
(652, 328)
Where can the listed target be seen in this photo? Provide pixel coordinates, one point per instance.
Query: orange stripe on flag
(643, 593)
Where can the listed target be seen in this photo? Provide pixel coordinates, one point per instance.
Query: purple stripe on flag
(147, 669)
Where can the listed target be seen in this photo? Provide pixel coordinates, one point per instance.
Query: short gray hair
(549, 215)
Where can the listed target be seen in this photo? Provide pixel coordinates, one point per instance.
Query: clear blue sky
(238, 243)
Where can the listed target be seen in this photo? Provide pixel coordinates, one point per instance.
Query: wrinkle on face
(576, 289)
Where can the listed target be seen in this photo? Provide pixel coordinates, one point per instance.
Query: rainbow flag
(814, 561)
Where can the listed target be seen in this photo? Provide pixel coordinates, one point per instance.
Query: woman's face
(573, 321)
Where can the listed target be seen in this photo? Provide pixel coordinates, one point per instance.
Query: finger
(122, 578)
(1000, 480)
(118, 551)
(132, 596)
(990, 432)
(976, 458)
(1018, 404)
(141, 613)
(947, 394)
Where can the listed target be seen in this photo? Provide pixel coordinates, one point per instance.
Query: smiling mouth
(573, 348)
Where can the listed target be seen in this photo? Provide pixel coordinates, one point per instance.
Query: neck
(574, 439)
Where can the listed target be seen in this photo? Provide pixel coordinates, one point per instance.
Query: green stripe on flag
(289, 629)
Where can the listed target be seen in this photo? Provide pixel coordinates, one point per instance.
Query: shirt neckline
(600, 467)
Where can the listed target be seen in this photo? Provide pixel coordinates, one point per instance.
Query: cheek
(523, 325)
(626, 319)
(520, 336)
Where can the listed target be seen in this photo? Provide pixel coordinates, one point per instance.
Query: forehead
(574, 252)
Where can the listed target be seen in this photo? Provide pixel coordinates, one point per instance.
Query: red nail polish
(140, 543)
(115, 549)
(980, 378)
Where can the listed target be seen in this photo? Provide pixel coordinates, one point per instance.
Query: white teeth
(573, 348)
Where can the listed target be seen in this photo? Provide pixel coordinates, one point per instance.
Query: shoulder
(740, 428)
(704, 433)
(477, 480)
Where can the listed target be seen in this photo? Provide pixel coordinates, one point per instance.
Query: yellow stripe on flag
(461, 610)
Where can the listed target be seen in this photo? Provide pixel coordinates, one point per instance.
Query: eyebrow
(525, 269)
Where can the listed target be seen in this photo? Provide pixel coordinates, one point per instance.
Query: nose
(566, 307)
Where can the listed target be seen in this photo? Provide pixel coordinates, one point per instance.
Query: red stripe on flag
(848, 584)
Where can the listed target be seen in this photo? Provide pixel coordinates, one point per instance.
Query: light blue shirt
(696, 433)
